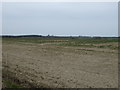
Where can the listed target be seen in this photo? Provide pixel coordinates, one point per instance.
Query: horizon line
(57, 35)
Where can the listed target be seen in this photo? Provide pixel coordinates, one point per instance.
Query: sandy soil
(59, 67)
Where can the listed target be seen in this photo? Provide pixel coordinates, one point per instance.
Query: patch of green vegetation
(78, 42)
(34, 40)
(86, 49)
(9, 84)
(104, 46)
(108, 46)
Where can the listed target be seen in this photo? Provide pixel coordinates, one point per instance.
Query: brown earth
(54, 66)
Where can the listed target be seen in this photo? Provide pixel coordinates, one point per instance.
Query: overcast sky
(57, 18)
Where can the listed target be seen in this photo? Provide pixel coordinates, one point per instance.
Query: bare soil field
(51, 65)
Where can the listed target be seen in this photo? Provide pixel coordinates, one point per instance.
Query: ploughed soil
(53, 66)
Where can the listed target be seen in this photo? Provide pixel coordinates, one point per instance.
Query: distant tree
(48, 35)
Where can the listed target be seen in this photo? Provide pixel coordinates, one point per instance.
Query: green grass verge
(10, 84)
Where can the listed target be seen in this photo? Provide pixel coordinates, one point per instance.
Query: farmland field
(60, 62)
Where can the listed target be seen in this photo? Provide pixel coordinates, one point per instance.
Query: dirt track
(52, 66)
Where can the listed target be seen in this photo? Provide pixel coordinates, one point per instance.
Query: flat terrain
(61, 62)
